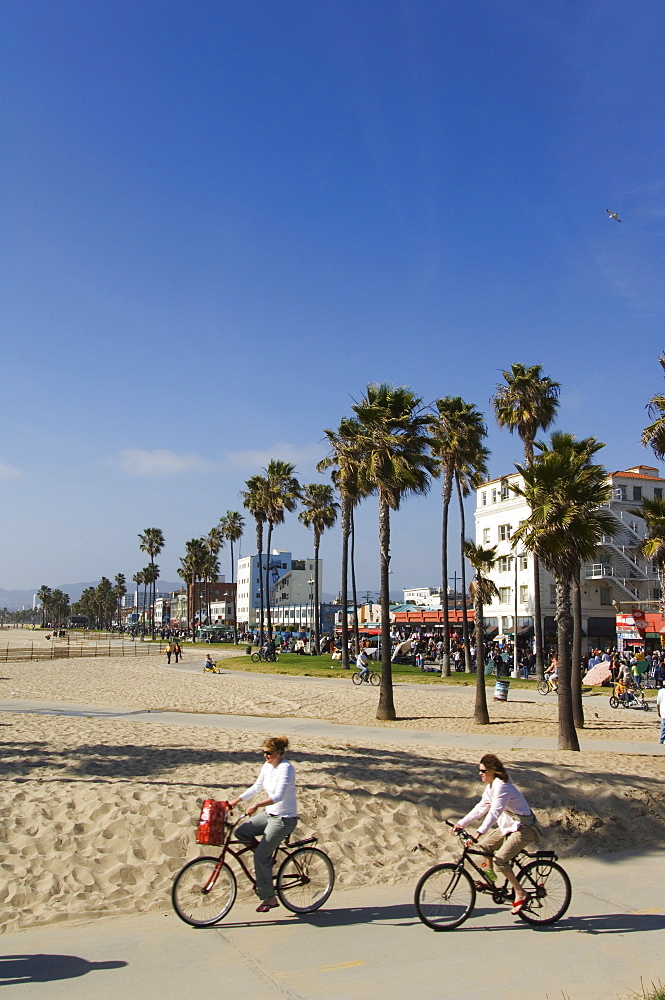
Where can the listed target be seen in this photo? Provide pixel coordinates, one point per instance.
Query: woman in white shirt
(277, 779)
(503, 806)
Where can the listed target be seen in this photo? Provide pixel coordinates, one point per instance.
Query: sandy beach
(98, 814)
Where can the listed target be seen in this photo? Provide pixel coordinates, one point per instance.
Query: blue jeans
(662, 731)
(275, 829)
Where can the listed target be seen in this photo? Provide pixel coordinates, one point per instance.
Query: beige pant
(504, 848)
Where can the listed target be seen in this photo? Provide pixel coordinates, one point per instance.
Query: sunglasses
(268, 753)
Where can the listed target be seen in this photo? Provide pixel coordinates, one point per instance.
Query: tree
(483, 589)
(139, 581)
(152, 542)
(320, 512)
(565, 495)
(44, 597)
(345, 461)
(192, 568)
(214, 541)
(150, 578)
(119, 590)
(281, 496)
(254, 499)
(232, 526)
(457, 432)
(653, 436)
(394, 445)
(653, 545)
(528, 403)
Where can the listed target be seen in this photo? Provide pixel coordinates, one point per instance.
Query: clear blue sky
(222, 220)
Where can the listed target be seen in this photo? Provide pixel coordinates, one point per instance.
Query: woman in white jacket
(515, 827)
(277, 779)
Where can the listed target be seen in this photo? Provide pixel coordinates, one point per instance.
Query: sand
(97, 814)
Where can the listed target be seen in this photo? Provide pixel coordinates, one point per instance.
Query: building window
(524, 562)
(658, 493)
(486, 536)
(605, 597)
(620, 493)
(483, 499)
(637, 492)
(505, 491)
(504, 595)
(504, 532)
(494, 495)
(552, 593)
(504, 564)
(524, 593)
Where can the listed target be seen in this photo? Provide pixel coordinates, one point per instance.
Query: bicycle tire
(645, 706)
(614, 702)
(192, 903)
(550, 890)
(543, 687)
(374, 679)
(305, 880)
(356, 678)
(444, 897)
(256, 658)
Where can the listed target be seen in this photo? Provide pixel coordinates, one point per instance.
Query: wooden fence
(62, 650)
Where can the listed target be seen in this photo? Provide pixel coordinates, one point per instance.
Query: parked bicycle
(546, 685)
(446, 894)
(264, 656)
(204, 890)
(369, 677)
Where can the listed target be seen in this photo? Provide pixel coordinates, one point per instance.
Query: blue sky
(222, 220)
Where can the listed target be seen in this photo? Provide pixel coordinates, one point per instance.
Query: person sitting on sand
(503, 806)
(277, 778)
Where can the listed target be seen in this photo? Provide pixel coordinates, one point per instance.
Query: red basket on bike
(211, 822)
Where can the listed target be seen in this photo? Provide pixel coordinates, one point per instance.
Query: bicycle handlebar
(462, 833)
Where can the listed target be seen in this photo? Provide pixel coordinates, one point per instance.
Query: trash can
(248, 650)
(501, 690)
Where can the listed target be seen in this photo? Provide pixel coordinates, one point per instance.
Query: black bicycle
(369, 677)
(446, 894)
(264, 656)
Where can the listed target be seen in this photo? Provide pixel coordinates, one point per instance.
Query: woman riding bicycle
(277, 779)
(503, 805)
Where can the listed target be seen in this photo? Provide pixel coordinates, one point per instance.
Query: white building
(281, 564)
(296, 586)
(618, 575)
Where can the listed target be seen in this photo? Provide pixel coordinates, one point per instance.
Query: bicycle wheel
(614, 702)
(256, 658)
(550, 891)
(305, 880)
(356, 678)
(374, 679)
(444, 897)
(543, 687)
(197, 903)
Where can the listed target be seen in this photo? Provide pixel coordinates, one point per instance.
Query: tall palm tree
(320, 512)
(195, 560)
(120, 589)
(653, 436)
(396, 461)
(282, 495)
(232, 526)
(468, 478)
(483, 589)
(652, 511)
(150, 578)
(528, 403)
(152, 542)
(456, 430)
(138, 580)
(345, 461)
(565, 525)
(254, 498)
(214, 541)
(44, 596)
(187, 573)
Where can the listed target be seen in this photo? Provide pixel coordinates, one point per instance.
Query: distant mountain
(14, 600)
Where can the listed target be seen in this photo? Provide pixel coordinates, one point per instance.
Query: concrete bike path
(335, 731)
(366, 944)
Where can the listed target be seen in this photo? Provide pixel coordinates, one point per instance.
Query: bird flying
(613, 215)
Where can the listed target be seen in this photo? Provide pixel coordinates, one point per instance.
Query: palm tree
(394, 444)
(232, 526)
(528, 403)
(194, 566)
(652, 511)
(653, 436)
(139, 581)
(44, 597)
(214, 541)
(320, 513)
(457, 432)
(483, 589)
(187, 573)
(282, 495)
(566, 522)
(152, 542)
(254, 498)
(345, 461)
(119, 590)
(150, 578)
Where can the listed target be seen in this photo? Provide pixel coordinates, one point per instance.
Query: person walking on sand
(169, 651)
(504, 807)
(177, 652)
(660, 705)
(277, 778)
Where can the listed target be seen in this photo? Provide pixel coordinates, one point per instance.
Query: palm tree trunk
(259, 549)
(346, 529)
(465, 624)
(480, 712)
(386, 706)
(538, 619)
(233, 592)
(317, 622)
(576, 658)
(268, 616)
(567, 732)
(445, 496)
(354, 589)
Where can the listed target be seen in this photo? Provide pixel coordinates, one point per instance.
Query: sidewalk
(331, 730)
(367, 944)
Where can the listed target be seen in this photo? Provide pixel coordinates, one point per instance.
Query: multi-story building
(248, 594)
(617, 576)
